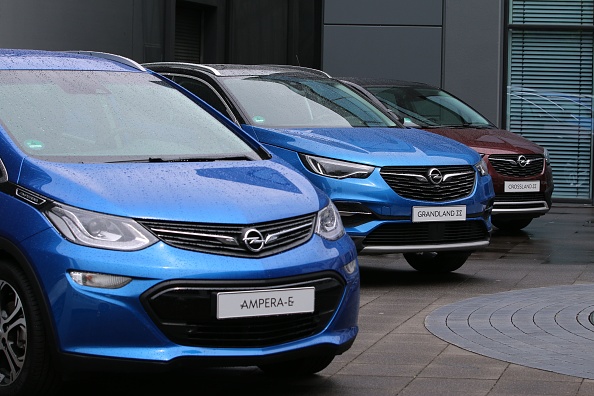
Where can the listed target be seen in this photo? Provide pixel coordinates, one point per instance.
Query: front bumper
(521, 204)
(405, 237)
(92, 324)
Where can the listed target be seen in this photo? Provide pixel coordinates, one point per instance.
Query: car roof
(383, 82)
(227, 70)
(19, 59)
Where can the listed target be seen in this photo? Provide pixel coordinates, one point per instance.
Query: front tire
(298, 367)
(25, 359)
(436, 262)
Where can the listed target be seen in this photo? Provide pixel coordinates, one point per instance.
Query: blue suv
(398, 190)
(141, 228)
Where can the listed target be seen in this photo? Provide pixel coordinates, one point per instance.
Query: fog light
(350, 267)
(103, 281)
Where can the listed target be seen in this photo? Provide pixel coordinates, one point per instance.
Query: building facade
(527, 65)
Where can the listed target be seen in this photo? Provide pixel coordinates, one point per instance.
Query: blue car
(142, 230)
(398, 190)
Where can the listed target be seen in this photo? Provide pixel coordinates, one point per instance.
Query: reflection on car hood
(373, 146)
(218, 192)
(491, 141)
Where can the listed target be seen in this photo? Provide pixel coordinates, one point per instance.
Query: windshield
(429, 107)
(283, 101)
(92, 116)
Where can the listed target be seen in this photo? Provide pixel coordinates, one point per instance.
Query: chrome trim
(351, 213)
(512, 161)
(112, 57)
(545, 208)
(254, 243)
(200, 66)
(417, 176)
(450, 175)
(3, 173)
(222, 238)
(209, 69)
(30, 196)
(421, 177)
(274, 236)
(426, 248)
(312, 70)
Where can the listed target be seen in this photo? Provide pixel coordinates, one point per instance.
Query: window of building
(550, 86)
(188, 32)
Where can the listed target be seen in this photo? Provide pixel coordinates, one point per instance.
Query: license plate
(265, 302)
(522, 186)
(438, 213)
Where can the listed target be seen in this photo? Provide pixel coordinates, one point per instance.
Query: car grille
(510, 164)
(228, 239)
(396, 234)
(186, 313)
(413, 182)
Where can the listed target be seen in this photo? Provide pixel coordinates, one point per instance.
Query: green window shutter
(551, 85)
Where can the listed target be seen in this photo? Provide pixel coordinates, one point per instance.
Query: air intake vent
(427, 233)
(184, 312)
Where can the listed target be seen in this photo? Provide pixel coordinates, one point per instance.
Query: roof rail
(208, 69)
(112, 57)
(316, 71)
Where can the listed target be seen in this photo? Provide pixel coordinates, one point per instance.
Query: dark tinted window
(203, 91)
(427, 107)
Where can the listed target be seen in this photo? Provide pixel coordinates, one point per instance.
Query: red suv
(520, 169)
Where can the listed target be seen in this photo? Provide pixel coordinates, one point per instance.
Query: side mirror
(408, 123)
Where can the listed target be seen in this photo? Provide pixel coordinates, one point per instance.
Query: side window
(204, 92)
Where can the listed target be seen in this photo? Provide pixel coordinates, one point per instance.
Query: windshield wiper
(149, 159)
(186, 159)
(235, 158)
(467, 125)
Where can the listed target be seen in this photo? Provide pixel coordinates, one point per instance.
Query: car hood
(241, 192)
(491, 141)
(372, 146)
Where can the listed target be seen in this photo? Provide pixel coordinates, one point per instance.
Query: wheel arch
(10, 252)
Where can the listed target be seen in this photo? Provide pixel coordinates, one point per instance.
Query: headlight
(546, 156)
(329, 225)
(99, 230)
(481, 167)
(335, 168)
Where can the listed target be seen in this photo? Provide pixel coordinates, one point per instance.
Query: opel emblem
(253, 240)
(434, 176)
(522, 161)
